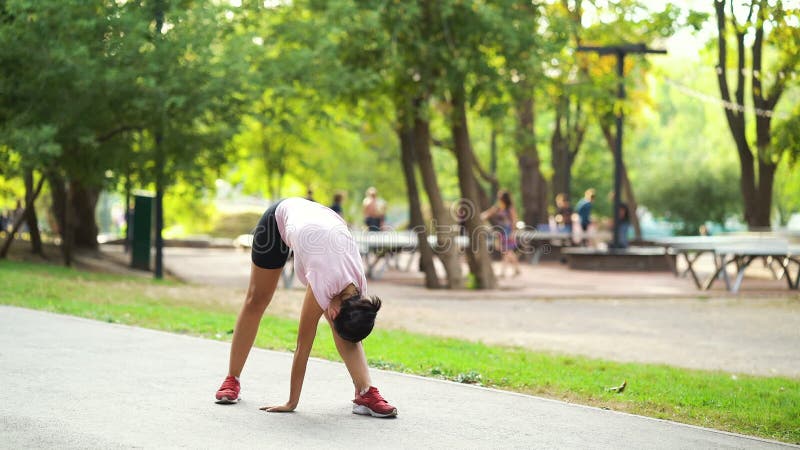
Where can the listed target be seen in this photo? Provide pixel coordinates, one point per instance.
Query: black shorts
(373, 223)
(269, 251)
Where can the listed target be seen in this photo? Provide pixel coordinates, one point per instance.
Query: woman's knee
(256, 302)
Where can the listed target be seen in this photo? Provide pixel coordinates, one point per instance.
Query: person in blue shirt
(584, 209)
(336, 206)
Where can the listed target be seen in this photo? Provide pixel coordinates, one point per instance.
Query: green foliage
(232, 225)
(692, 193)
(310, 94)
(786, 137)
(787, 190)
(188, 211)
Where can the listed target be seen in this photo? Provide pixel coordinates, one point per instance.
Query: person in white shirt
(328, 262)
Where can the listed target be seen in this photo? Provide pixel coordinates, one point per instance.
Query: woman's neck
(348, 292)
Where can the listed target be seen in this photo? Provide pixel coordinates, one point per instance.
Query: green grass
(759, 406)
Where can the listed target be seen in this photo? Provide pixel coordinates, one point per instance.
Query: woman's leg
(259, 293)
(355, 360)
(506, 260)
(512, 255)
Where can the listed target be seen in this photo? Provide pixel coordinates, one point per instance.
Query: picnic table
(541, 242)
(381, 249)
(738, 251)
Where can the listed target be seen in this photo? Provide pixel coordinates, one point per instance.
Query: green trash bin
(141, 231)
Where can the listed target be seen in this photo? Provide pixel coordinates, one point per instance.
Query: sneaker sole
(226, 401)
(364, 411)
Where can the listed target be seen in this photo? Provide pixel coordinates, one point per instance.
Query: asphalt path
(75, 383)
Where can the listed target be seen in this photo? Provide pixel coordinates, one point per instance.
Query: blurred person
(563, 213)
(327, 260)
(462, 215)
(336, 206)
(624, 215)
(373, 209)
(584, 210)
(503, 216)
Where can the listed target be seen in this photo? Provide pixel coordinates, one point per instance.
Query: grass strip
(768, 407)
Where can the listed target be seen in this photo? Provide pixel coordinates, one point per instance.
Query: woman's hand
(288, 407)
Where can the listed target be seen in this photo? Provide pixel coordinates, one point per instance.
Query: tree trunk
(62, 206)
(84, 204)
(30, 214)
(763, 101)
(756, 189)
(443, 222)
(559, 152)
(31, 194)
(568, 134)
(58, 194)
(128, 214)
(68, 236)
(766, 180)
(493, 162)
(533, 186)
(478, 258)
(417, 223)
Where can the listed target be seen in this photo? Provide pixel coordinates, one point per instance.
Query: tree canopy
(279, 97)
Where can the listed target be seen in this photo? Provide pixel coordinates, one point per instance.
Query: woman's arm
(306, 332)
(489, 213)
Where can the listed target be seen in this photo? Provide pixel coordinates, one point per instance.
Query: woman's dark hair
(356, 317)
(505, 197)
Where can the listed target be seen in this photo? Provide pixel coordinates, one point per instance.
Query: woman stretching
(327, 260)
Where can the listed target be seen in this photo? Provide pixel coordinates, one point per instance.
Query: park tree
(758, 28)
(416, 79)
(525, 45)
(24, 152)
(113, 82)
(456, 35)
(692, 193)
(190, 90)
(60, 85)
(383, 54)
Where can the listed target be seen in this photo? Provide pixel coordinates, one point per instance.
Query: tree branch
(443, 144)
(21, 218)
(489, 178)
(758, 43)
(779, 86)
(116, 131)
(722, 52)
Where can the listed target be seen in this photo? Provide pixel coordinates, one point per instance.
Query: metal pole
(620, 51)
(159, 219)
(618, 148)
(159, 269)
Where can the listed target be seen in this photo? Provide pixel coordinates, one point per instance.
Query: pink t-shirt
(325, 254)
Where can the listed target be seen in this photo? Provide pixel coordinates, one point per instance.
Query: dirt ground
(659, 319)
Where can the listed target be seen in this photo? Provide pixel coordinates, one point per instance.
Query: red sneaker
(229, 391)
(372, 404)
